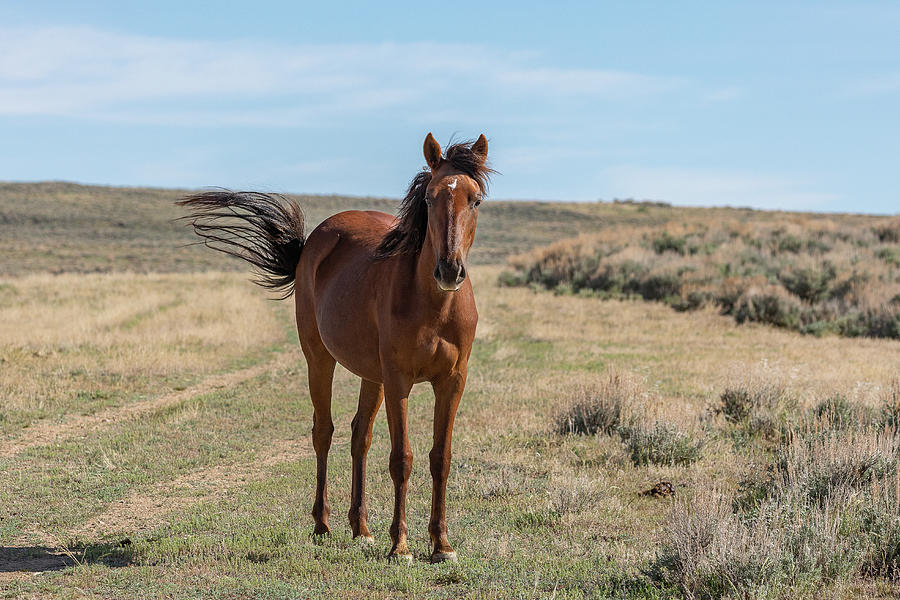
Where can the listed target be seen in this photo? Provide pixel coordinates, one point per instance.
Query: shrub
(790, 243)
(660, 286)
(888, 232)
(712, 552)
(575, 496)
(737, 404)
(599, 409)
(763, 409)
(881, 526)
(890, 255)
(771, 305)
(810, 284)
(838, 412)
(512, 279)
(890, 408)
(622, 277)
(591, 416)
(663, 444)
(883, 322)
(818, 466)
(666, 242)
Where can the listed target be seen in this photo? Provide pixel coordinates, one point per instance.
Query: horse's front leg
(370, 397)
(447, 393)
(396, 396)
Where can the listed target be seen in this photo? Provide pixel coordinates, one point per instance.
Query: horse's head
(453, 195)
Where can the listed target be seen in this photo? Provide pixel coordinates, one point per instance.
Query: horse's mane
(408, 234)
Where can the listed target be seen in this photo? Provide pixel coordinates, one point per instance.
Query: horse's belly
(348, 331)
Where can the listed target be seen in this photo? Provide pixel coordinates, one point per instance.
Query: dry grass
(520, 493)
(77, 343)
(813, 276)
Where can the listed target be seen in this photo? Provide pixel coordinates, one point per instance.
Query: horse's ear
(480, 148)
(432, 152)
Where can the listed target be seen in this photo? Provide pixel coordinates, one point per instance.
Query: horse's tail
(264, 230)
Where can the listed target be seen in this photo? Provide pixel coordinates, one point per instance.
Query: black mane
(408, 234)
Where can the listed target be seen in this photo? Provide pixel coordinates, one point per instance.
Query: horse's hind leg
(321, 374)
(370, 397)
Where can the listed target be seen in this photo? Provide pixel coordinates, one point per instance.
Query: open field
(154, 427)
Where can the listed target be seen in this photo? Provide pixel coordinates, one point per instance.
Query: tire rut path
(45, 433)
(147, 508)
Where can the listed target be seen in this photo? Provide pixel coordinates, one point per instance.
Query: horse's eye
(477, 202)
(428, 200)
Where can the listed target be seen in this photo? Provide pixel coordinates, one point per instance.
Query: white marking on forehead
(452, 185)
(452, 239)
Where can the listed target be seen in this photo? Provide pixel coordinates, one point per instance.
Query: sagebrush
(816, 278)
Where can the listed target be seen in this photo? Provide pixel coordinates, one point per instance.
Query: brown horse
(387, 298)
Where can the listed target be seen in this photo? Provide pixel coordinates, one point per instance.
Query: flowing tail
(264, 230)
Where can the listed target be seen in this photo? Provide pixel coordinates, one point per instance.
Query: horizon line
(625, 201)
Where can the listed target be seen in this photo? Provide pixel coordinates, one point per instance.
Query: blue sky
(772, 105)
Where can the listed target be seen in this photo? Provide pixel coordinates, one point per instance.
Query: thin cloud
(87, 73)
(724, 94)
(586, 82)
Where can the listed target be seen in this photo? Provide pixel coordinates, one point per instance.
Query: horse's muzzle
(449, 274)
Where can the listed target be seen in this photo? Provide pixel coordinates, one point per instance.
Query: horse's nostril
(461, 274)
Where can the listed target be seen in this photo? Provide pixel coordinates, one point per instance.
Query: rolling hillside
(60, 227)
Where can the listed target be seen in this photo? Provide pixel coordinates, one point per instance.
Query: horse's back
(360, 228)
(341, 240)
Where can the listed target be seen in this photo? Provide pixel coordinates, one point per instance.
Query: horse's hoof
(364, 540)
(439, 557)
(400, 559)
(321, 530)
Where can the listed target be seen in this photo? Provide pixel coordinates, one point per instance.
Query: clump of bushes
(662, 444)
(814, 279)
(608, 409)
(889, 231)
(837, 412)
(818, 467)
(771, 305)
(826, 509)
(598, 410)
(758, 408)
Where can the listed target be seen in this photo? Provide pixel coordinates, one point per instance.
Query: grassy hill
(59, 227)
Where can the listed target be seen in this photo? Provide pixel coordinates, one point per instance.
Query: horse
(388, 298)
